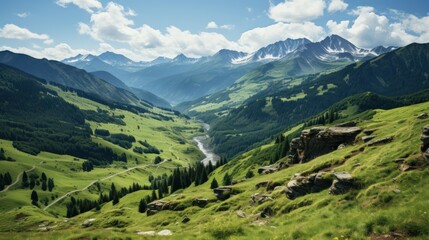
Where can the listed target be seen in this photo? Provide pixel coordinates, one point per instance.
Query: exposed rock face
(381, 141)
(316, 182)
(271, 168)
(200, 202)
(300, 185)
(186, 220)
(157, 206)
(267, 212)
(423, 116)
(223, 193)
(342, 183)
(425, 140)
(88, 222)
(368, 138)
(262, 184)
(259, 199)
(321, 140)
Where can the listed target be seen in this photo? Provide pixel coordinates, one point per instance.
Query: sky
(146, 29)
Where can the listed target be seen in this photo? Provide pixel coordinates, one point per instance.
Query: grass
(373, 209)
(174, 141)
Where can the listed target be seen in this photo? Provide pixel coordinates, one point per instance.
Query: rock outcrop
(272, 168)
(380, 141)
(223, 193)
(342, 183)
(425, 140)
(200, 202)
(301, 185)
(259, 198)
(321, 140)
(157, 206)
(337, 183)
(423, 116)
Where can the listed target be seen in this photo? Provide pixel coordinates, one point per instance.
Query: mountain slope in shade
(400, 72)
(140, 93)
(57, 72)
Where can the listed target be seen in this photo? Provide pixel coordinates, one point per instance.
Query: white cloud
(212, 25)
(297, 10)
(249, 9)
(259, 37)
(113, 24)
(370, 29)
(87, 5)
(11, 31)
(58, 52)
(227, 26)
(23, 14)
(337, 5)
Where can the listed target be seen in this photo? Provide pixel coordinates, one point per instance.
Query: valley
(288, 119)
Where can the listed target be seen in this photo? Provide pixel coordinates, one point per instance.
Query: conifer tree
(214, 184)
(142, 206)
(34, 197)
(24, 180)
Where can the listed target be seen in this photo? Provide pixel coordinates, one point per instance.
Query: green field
(172, 138)
(387, 201)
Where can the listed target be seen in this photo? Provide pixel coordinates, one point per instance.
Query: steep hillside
(397, 73)
(57, 72)
(57, 136)
(184, 81)
(140, 93)
(365, 189)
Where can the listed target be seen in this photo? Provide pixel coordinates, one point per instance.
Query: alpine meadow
(270, 119)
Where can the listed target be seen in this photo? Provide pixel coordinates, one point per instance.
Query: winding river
(203, 145)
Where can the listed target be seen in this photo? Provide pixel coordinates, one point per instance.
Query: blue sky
(144, 30)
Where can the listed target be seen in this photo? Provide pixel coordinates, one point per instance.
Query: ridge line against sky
(145, 30)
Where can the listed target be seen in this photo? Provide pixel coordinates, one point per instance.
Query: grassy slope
(275, 75)
(66, 170)
(372, 210)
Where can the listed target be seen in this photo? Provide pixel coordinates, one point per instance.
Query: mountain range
(184, 79)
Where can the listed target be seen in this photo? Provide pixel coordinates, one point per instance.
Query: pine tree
(32, 183)
(142, 206)
(44, 185)
(214, 184)
(34, 197)
(44, 178)
(160, 196)
(227, 179)
(115, 199)
(249, 174)
(24, 180)
(112, 192)
(7, 179)
(51, 184)
(203, 175)
(154, 198)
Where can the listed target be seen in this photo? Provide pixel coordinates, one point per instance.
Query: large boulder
(321, 140)
(223, 192)
(425, 138)
(157, 206)
(380, 141)
(302, 185)
(259, 198)
(200, 202)
(272, 168)
(342, 183)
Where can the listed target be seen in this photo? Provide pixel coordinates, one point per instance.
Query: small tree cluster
(328, 117)
(5, 179)
(87, 166)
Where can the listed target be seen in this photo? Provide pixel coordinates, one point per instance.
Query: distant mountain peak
(182, 58)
